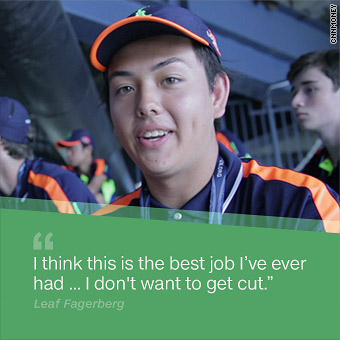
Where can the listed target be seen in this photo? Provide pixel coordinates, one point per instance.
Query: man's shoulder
(41, 166)
(59, 183)
(288, 193)
(42, 173)
(291, 178)
(271, 172)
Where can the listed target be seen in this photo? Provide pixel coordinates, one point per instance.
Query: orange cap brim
(98, 42)
(66, 144)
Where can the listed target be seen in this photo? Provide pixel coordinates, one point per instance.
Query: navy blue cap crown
(150, 21)
(14, 121)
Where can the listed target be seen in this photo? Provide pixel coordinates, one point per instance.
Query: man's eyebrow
(306, 82)
(166, 63)
(119, 74)
(153, 68)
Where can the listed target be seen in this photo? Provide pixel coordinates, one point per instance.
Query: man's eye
(310, 90)
(125, 90)
(170, 80)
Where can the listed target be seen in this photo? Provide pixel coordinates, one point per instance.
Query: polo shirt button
(178, 216)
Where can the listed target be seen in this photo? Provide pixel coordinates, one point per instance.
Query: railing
(271, 134)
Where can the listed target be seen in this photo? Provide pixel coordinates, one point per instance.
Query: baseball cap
(76, 137)
(149, 21)
(14, 121)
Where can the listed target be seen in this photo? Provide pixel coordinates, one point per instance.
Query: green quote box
(90, 277)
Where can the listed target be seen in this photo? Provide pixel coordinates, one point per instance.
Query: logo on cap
(141, 12)
(210, 34)
(86, 140)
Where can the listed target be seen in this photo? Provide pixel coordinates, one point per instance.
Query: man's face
(76, 155)
(316, 101)
(161, 106)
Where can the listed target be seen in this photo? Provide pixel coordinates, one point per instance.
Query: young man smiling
(316, 98)
(166, 87)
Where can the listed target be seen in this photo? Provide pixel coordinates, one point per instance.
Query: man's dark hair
(327, 60)
(212, 67)
(20, 150)
(210, 61)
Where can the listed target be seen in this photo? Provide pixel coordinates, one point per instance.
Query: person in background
(94, 172)
(231, 141)
(25, 177)
(316, 97)
(166, 87)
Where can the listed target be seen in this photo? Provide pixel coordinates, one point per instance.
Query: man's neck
(85, 168)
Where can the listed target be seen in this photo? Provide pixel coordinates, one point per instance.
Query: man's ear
(220, 94)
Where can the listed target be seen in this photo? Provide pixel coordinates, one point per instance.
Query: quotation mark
(37, 244)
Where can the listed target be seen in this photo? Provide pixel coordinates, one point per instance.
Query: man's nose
(148, 101)
(297, 100)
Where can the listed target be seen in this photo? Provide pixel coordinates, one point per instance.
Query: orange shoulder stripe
(100, 166)
(68, 167)
(52, 187)
(225, 141)
(325, 203)
(119, 203)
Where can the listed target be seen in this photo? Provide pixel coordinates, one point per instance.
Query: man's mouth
(298, 114)
(154, 135)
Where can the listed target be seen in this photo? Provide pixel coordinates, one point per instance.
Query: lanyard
(218, 184)
(217, 193)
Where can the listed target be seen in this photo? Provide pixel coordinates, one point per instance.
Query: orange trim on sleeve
(225, 141)
(52, 187)
(325, 203)
(101, 164)
(119, 203)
